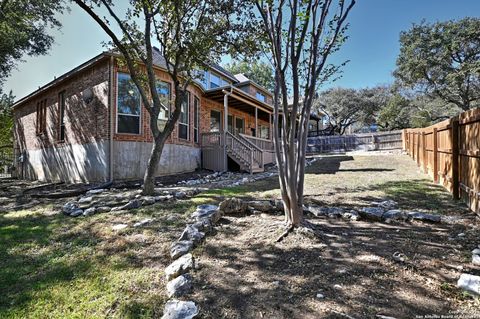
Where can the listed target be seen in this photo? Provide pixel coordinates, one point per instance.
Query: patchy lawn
(244, 274)
(61, 267)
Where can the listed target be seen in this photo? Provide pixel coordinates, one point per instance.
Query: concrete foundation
(69, 163)
(131, 158)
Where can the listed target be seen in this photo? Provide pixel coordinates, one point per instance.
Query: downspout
(225, 126)
(110, 109)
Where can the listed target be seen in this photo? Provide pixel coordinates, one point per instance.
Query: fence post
(435, 155)
(424, 153)
(418, 149)
(455, 160)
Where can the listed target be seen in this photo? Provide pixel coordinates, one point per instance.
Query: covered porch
(246, 141)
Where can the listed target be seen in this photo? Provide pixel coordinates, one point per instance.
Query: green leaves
(442, 59)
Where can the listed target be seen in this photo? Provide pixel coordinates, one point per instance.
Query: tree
(442, 60)
(257, 71)
(23, 30)
(301, 35)
(6, 121)
(396, 114)
(191, 33)
(346, 107)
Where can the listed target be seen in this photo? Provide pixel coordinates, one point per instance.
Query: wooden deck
(250, 153)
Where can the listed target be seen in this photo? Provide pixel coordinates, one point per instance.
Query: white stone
(83, 200)
(143, 222)
(320, 296)
(89, 211)
(179, 286)
(469, 283)
(177, 309)
(179, 266)
(119, 226)
(476, 259)
(95, 191)
(476, 251)
(180, 248)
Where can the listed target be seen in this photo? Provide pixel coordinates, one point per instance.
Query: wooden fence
(449, 152)
(367, 142)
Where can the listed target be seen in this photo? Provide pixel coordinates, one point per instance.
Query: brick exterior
(87, 121)
(84, 122)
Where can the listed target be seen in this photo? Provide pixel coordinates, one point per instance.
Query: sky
(372, 47)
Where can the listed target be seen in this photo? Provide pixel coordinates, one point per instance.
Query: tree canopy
(24, 26)
(442, 60)
(6, 121)
(257, 71)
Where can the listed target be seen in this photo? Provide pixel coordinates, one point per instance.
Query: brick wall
(84, 122)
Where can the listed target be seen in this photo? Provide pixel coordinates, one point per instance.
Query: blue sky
(372, 46)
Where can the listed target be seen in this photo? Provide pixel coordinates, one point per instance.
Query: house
(88, 125)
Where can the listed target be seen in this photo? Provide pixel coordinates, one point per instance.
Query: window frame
(61, 116)
(41, 117)
(196, 119)
(169, 84)
(124, 114)
(263, 95)
(187, 124)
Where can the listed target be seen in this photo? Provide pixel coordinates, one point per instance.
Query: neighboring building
(89, 125)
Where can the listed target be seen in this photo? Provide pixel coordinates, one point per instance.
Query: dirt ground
(244, 274)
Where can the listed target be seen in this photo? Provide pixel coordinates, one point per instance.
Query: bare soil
(245, 274)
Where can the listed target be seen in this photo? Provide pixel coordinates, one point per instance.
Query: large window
(61, 116)
(128, 106)
(196, 118)
(183, 127)
(239, 125)
(215, 81)
(260, 96)
(215, 121)
(210, 80)
(41, 127)
(164, 92)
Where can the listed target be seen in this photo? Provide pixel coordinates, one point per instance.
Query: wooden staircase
(246, 154)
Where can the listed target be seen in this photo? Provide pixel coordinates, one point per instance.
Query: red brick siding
(84, 122)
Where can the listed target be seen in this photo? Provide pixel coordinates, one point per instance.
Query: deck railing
(240, 149)
(262, 143)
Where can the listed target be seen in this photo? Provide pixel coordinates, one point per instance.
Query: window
(215, 81)
(61, 116)
(128, 106)
(261, 97)
(163, 89)
(41, 117)
(264, 132)
(239, 125)
(215, 121)
(183, 131)
(196, 118)
(230, 123)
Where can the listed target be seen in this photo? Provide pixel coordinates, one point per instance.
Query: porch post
(270, 133)
(225, 127)
(256, 122)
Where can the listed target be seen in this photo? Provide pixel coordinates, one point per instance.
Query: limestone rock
(261, 206)
(85, 199)
(133, 204)
(180, 248)
(233, 206)
(386, 204)
(95, 191)
(89, 211)
(424, 217)
(76, 212)
(179, 267)
(476, 259)
(476, 251)
(69, 207)
(191, 233)
(180, 286)
(143, 222)
(119, 226)
(372, 213)
(351, 215)
(210, 212)
(177, 309)
(148, 200)
(203, 225)
(180, 195)
(103, 209)
(395, 215)
(163, 198)
(469, 283)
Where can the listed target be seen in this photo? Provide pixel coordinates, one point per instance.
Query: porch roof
(240, 100)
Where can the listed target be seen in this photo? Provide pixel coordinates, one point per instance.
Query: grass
(59, 267)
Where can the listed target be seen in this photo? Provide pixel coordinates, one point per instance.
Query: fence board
(449, 152)
(343, 143)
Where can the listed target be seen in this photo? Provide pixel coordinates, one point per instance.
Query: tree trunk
(149, 177)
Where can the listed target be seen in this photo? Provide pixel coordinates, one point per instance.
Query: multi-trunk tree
(442, 60)
(301, 36)
(191, 34)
